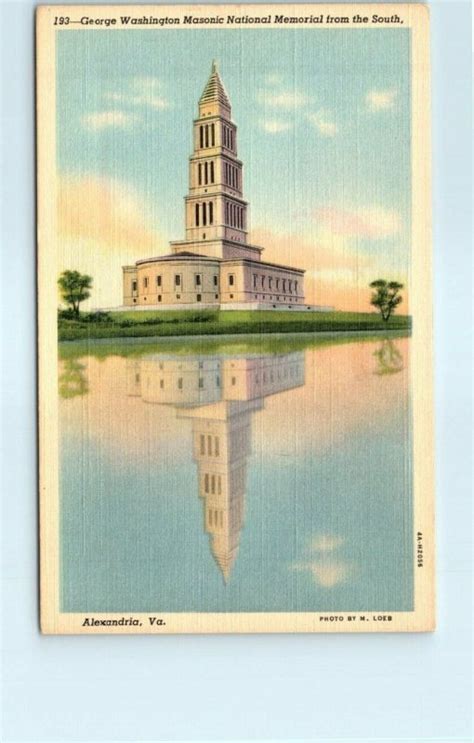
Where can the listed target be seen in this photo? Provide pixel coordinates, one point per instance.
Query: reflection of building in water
(219, 396)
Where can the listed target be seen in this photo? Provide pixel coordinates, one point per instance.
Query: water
(219, 476)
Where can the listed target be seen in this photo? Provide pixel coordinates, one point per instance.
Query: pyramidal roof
(214, 90)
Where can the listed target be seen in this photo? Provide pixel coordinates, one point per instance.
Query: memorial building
(215, 265)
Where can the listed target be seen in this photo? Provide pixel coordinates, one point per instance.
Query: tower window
(201, 137)
(198, 297)
(158, 280)
(197, 215)
(206, 167)
(134, 286)
(206, 132)
(215, 279)
(212, 135)
(145, 282)
(216, 446)
(231, 279)
(197, 279)
(263, 282)
(284, 286)
(212, 169)
(204, 215)
(199, 174)
(180, 383)
(177, 279)
(202, 443)
(211, 214)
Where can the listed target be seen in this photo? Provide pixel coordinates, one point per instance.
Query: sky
(323, 122)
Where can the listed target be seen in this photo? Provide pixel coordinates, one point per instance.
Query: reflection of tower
(219, 396)
(221, 443)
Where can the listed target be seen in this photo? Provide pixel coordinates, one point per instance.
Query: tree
(74, 287)
(386, 297)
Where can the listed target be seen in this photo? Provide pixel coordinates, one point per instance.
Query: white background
(274, 687)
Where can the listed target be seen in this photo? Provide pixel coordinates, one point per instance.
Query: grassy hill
(150, 323)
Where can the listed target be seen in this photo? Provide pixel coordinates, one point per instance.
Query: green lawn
(214, 322)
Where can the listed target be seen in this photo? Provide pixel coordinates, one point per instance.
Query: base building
(215, 266)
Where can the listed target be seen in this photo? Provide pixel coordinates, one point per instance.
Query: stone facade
(215, 265)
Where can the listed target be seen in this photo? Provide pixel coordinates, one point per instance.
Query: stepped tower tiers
(215, 265)
(215, 210)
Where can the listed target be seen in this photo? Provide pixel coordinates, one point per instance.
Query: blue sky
(323, 127)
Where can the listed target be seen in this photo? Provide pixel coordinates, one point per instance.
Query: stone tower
(215, 210)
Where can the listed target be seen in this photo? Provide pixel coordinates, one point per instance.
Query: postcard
(234, 299)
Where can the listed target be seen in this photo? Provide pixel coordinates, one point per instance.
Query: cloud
(380, 100)
(103, 224)
(326, 543)
(323, 121)
(273, 79)
(275, 126)
(371, 222)
(100, 120)
(105, 211)
(327, 573)
(285, 99)
(142, 91)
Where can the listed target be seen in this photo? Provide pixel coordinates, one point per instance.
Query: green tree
(74, 288)
(386, 297)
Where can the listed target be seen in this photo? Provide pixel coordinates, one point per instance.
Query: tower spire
(214, 90)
